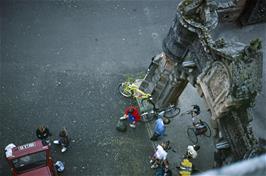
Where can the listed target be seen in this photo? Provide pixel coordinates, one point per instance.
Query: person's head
(166, 121)
(196, 147)
(196, 110)
(63, 133)
(188, 155)
(195, 106)
(164, 145)
(167, 143)
(131, 110)
(41, 128)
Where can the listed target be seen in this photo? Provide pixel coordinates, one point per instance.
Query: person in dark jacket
(63, 140)
(43, 133)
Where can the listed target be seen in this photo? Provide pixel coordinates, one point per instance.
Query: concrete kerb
(147, 124)
(150, 133)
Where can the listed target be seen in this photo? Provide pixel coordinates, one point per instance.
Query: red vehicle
(32, 159)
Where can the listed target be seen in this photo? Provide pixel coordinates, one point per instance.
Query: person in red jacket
(132, 114)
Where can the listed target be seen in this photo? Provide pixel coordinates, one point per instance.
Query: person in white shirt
(8, 149)
(160, 156)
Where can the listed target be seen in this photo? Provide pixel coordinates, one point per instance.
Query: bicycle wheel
(208, 133)
(191, 132)
(124, 90)
(172, 112)
(146, 117)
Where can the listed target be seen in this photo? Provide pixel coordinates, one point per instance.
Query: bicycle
(197, 129)
(193, 112)
(130, 90)
(169, 112)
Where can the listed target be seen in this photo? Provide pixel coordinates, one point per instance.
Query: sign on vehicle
(29, 145)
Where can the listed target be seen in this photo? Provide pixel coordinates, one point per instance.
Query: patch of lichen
(255, 44)
(193, 14)
(251, 51)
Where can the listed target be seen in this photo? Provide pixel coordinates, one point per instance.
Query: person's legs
(132, 124)
(153, 158)
(64, 145)
(132, 121)
(60, 142)
(64, 148)
(155, 137)
(155, 164)
(56, 142)
(123, 117)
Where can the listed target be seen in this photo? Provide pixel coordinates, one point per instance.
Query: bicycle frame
(133, 87)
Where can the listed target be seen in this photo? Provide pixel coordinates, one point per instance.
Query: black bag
(121, 125)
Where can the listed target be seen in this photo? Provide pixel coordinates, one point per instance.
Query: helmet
(196, 147)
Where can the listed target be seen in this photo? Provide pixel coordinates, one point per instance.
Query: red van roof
(27, 149)
(43, 171)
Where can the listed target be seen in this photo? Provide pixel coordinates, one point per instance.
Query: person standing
(195, 112)
(63, 140)
(186, 167)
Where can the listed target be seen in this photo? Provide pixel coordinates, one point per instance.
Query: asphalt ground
(61, 63)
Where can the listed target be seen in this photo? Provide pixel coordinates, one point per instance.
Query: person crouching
(159, 128)
(132, 114)
(63, 140)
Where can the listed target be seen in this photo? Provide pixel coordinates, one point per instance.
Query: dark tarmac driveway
(61, 62)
